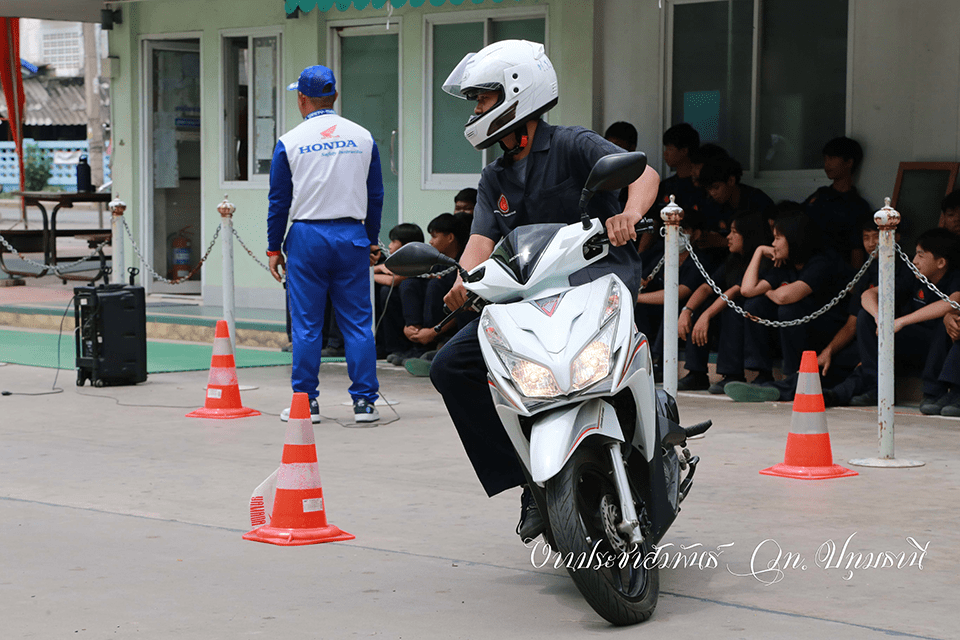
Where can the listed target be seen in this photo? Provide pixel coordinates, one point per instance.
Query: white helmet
(523, 74)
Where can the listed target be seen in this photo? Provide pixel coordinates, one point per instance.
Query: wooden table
(45, 240)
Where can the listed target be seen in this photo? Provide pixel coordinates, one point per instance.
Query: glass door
(367, 63)
(172, 233)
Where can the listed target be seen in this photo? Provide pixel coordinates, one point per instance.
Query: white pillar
(887, 220)
(671, 214)
(117, 207)
(226, 210)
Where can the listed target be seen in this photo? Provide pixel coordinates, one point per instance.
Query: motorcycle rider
(537, 180)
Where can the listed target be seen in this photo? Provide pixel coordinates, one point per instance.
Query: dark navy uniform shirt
(839, 217)
(553, 176)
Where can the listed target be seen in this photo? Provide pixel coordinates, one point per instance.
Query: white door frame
(149, 43)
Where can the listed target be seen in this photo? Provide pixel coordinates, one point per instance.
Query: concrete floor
(125, 520)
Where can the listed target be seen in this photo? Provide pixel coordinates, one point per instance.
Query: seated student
(389, 311)
(950, 371)
(465, 201)
(921, 336)
(803, 279)
(721, 179)
(679, 142)
(649, 308)
(748, 231)
(837, 209)
(422, 298)
(950, 212)
(623, 134)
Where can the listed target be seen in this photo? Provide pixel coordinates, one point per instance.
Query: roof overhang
(67, 10)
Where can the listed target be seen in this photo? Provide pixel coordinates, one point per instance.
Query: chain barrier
(922, 278)
(153, 272)
(653, 274)
(247, 249)
(779, 323)
(58, 269)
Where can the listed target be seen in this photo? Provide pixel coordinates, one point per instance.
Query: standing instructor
(325, 178)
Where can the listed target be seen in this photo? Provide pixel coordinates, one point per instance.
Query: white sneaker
(314, 413)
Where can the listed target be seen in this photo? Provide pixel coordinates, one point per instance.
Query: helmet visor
(452, 84)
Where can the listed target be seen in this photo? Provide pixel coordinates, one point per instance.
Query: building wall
(904, 79)
(305, 43)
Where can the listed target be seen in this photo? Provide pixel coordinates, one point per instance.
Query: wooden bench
(42, 241)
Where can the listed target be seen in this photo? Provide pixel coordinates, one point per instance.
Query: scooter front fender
(557, 434)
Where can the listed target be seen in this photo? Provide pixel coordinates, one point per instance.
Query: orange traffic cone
(294, 514)
(808, 455)
(223, 391)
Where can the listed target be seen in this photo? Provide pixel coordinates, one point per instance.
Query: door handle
(393, 154)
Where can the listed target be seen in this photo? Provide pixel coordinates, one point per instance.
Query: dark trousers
(757, 351)
(458, 372)
(950, 371)
(939, 370)
(730, 360)
(696, 359)
(810, 336)
(390, 338)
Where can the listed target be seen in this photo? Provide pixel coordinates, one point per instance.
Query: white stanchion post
(226, 210)
(671, 214)
(887, 220)
(117, 207)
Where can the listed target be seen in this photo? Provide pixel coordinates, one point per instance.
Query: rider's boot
(531, 522)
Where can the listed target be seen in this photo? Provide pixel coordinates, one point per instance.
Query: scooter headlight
(592, 364)
(613, 302)
(533, 380)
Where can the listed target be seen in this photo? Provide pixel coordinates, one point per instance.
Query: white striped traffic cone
(298, 514)
(808, 455)
(223, 390)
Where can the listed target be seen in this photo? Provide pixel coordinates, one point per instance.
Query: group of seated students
(408, 309)
(783, 262)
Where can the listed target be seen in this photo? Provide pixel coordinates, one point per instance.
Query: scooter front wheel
(584, 510)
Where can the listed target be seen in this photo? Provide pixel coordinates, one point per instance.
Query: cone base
(295, 537)
(808, 473)
(223, 414)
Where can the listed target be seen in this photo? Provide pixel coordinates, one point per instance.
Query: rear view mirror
(416, 258)
(616, 171)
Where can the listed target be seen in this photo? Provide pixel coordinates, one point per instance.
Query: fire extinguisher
(180, 246)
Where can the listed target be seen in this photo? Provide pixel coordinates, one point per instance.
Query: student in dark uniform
(538, 180)
(921, 331)
(649, 308)
(804, 278)
(837, 209)
(699, 318)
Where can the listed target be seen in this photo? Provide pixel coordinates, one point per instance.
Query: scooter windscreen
(520, 250)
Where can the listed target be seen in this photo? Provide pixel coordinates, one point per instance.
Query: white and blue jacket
(325, 168)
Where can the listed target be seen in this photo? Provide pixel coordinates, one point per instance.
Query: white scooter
(572, 382)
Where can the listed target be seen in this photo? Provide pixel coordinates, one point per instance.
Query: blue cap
(315, 82)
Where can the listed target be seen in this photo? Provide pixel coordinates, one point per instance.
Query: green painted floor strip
(40, 350)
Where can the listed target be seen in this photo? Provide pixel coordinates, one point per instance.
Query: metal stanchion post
(117, 207)
(671, 214)
(226, 210)
(887, 220)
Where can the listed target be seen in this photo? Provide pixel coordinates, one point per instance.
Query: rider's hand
(621, 228)
(457, 295)
(278, 266)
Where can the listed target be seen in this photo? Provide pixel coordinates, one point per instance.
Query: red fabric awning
(12, 80)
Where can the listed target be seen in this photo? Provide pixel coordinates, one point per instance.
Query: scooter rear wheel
(581, 501)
